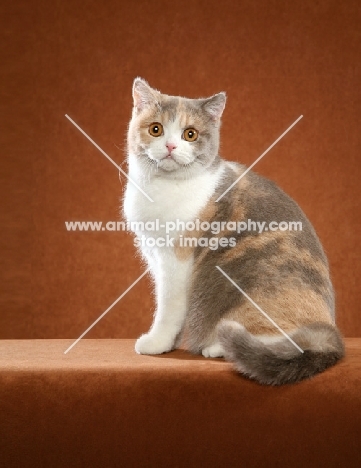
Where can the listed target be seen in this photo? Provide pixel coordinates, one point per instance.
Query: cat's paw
(151, 343)
(213, 351)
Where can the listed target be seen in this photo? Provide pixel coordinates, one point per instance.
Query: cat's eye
(190, 134)
(155, 129)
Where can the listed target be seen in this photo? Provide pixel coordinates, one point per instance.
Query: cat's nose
(171, 147)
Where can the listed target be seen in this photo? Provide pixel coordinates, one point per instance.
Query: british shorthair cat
(226, 283)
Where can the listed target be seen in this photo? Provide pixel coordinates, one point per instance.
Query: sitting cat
(173, 145)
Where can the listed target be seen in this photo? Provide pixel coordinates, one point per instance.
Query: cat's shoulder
(245, 180)
(258, 194)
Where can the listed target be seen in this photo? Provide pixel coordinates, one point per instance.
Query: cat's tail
(280, 362)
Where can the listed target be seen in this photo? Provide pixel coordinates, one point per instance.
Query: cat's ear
(215, 105)
(143, 95)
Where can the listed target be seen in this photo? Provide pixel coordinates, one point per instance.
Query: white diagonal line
(262, 312)
(108, 309)
(108, 157)
(258, 159)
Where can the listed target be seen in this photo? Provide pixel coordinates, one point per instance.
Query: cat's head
(174, 137)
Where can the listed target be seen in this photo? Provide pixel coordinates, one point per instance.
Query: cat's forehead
(174, 109)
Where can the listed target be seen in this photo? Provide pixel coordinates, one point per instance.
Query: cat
(173, 156)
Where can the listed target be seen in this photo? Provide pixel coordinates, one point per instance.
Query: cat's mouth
(170, 162)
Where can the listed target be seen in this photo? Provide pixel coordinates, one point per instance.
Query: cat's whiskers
(152, 167)
(187, 171)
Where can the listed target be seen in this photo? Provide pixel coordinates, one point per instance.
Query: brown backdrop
(275, 59)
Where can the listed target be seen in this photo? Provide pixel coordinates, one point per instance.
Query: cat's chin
(170, 169)
(169, 165)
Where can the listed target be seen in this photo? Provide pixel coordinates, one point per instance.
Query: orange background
(275, 59)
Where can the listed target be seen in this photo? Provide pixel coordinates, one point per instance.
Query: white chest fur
(172, 199)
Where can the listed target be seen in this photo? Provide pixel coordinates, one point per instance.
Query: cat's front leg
(171, 279)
